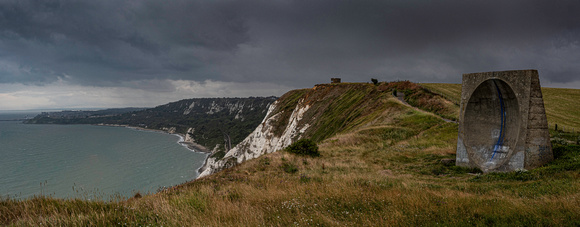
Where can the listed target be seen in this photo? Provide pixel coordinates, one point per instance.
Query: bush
(375, 81)
(218, 155)
(565, 158)
(304, 147)
(289, 167)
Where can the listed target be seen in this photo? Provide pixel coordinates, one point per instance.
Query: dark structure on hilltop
(502, 122)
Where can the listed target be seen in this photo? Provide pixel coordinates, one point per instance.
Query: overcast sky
(79, 54)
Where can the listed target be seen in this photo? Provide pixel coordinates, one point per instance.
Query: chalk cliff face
(215, 123)
(316, 113)
(263, 139)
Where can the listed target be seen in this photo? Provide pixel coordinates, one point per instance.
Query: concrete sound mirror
(502, 122)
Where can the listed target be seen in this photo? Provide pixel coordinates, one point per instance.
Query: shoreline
(189, 145)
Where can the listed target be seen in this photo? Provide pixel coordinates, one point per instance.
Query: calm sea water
(92, 162)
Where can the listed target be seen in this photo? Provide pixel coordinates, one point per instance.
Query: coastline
(189, 145)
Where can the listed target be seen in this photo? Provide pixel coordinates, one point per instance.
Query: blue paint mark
(499, 142)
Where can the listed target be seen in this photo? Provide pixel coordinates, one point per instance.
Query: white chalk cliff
(262, 140)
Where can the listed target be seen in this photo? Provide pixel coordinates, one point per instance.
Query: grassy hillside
(382, 168)
(426, 99)
(449, 91)
(562, 107)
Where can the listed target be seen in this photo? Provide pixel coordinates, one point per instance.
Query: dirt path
(401, 97)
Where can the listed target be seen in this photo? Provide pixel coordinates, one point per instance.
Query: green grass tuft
(304, 147)
(289, 167)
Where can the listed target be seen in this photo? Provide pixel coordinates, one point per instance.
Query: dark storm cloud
(115, 43)
(436, 40)
(103, 41)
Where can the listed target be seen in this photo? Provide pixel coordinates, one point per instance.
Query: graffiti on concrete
(502, 122)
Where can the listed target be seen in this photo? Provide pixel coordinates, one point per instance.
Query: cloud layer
(148, 45)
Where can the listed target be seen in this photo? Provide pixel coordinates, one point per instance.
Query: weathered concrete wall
(502, 122)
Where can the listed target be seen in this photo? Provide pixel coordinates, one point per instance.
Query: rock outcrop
(262, 140)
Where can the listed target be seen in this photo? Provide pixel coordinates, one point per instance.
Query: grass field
(386, 173)
(562, 107)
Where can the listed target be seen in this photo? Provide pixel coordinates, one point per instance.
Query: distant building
(335, 80)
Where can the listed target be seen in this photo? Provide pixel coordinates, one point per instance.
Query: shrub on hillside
(304, 147)
(289, 167)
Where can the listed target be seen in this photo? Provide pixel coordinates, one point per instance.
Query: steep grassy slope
(425, 99)
(341, 107)
(379, 167)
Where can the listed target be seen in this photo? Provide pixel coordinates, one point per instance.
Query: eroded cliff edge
(317, 113)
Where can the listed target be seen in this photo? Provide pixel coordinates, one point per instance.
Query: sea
(89, 162)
